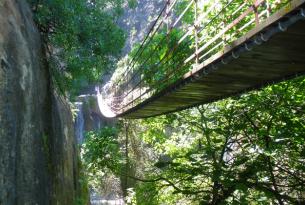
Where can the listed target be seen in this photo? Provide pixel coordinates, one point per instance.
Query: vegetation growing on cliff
(81, 38)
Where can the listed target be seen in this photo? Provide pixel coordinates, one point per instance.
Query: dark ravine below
(38, 149)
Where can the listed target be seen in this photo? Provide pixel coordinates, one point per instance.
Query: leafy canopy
(247, 150)
(101, 150)
(81, 37)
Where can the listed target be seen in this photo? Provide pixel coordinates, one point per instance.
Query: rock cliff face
(38, 153)
(137, 21)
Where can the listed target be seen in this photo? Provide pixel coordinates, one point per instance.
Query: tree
(242, 150)
(236, 151)
(81, 38)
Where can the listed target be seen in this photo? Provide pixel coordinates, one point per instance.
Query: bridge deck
(221, 76)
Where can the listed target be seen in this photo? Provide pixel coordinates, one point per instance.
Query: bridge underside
(238, 68)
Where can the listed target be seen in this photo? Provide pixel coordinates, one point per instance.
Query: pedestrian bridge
(224, 50)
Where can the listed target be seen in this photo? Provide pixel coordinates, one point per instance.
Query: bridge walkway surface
(274, 50)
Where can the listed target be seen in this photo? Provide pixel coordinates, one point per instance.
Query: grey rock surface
(38, 155)
(136, 22)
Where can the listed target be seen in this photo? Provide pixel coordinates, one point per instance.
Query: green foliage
(161, 64)
(146, 193)
(246, 150)
(132, 4)
(83, 190)
(242, 150)
(81, 37)
(101, 151)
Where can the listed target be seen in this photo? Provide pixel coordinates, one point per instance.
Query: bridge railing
(185, 34)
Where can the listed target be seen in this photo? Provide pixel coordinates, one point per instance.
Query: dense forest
(247, 149)
(243, 150)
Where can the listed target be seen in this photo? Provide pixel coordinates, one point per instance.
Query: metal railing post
(268, 7)
(140, 89)
(255, 9)
(125, 90)
(196, 31)
(167, 14)
(223, 27)
(131, 82)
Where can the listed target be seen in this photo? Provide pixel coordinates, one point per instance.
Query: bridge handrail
(198, 35)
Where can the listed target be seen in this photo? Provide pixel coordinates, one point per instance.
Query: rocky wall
(38, 152)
